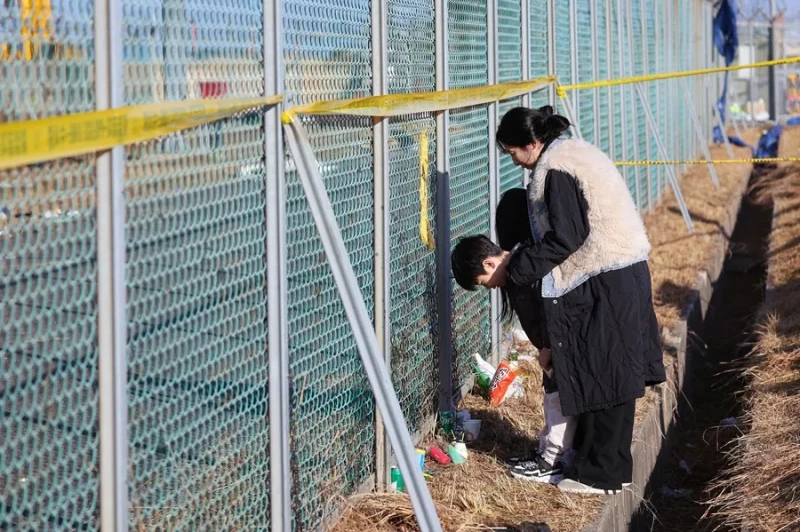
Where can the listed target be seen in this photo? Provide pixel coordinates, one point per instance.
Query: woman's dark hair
(521, 126)
(513, 226)
(467, 258)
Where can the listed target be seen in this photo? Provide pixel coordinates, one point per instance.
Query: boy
(476, 260)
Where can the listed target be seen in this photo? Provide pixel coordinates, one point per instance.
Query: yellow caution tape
(420, 102)
(34, 141)
(763, 160)
(561, 90)
(425, 232)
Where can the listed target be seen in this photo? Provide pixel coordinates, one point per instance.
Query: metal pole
(443, 288)
(111, 293)
(622, 89)
(595, 70)
(659, 90)
(673, 180)
(525, 8)
(773, 86)
(494, 173)
(635, 123)
(352, 299)
(752, 81)
(573, 54)
(382, 206)
(612, 131)
(646, 70)
(699, 132)
(277, 283)
(569, 112)
(551, 51)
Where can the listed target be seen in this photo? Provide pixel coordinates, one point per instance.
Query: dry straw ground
(761, 491)
(480, 493)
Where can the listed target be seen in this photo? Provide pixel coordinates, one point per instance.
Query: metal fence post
(443, 285)
(111, 293)
(573, 56)
(382, 241)
(635, 122)
(662, 149)
(646, 70)
(494, 168)
(551, 51)
(612, 131)
(622, 96)
(277, 284)
(525, 11)
(595, 70)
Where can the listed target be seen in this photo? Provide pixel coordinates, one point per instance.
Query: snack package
(503, 384)
(483, 372)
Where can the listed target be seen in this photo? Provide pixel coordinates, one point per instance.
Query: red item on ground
(503, 378)
(437, 454)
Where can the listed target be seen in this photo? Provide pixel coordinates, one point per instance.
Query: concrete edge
(650, 435)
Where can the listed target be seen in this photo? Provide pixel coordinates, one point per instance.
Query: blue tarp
(768, 144)
(726, 41)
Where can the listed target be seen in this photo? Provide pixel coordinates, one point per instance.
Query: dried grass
(761, 490)
(677, 255)
(480, 493)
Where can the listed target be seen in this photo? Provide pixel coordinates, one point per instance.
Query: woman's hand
(545, 360)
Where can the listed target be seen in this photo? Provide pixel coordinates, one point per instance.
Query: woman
(589, 251)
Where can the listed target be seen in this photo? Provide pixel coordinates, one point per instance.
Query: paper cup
(421, 455)
(472, 429)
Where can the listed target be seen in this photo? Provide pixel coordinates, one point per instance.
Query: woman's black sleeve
(569, 226)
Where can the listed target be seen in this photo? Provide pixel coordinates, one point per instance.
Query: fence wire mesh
(509, 36)
(538, 39)
(196, 214)
(196, 274)
(332, 406)
(469, 172)
(49, 456)
(585, 49)
(414, 354)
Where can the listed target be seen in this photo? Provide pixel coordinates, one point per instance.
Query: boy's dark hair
(467, 258)
(511, 219)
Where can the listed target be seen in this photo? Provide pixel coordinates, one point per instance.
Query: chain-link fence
(197, 347)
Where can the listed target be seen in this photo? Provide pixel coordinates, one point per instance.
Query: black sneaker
(538, 471)
(516, 460)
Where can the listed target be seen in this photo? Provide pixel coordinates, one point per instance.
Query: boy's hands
(545, 360)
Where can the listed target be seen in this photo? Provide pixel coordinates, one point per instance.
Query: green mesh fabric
(652, 90)
(196, 275)
(538, 48)
(601, 45)
(49, 455)
(332, 405)
(617, 93)
(562, 53)
(640, 130)
(585, 47)
(509, 23)
(469, 173)
(412, 68)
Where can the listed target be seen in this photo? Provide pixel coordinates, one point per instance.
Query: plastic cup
(472, 429)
